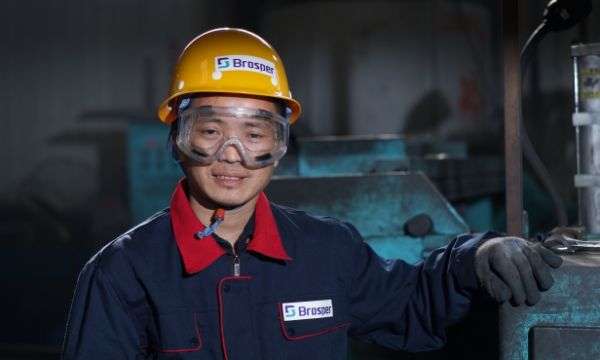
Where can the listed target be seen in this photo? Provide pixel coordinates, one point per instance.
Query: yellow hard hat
(231, 61)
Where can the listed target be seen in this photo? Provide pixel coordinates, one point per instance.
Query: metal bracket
(586, 118)
(586, 180)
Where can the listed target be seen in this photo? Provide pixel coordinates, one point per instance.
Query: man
(225, 274)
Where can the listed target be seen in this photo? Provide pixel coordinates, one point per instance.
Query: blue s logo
(290, 311)
(223, 63)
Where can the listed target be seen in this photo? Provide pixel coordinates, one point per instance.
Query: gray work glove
(514, 268)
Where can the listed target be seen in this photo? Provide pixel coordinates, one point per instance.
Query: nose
(231, 153)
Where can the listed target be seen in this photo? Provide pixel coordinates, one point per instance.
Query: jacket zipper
(236, 265)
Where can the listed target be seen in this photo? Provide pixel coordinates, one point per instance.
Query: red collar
(197, 254)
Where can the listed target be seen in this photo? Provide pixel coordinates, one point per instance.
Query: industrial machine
(565, 324)
(344, 182)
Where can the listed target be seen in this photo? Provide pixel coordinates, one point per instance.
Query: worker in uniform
(223, 273)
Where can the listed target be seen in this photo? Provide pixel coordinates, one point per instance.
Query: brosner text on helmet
(228, 61)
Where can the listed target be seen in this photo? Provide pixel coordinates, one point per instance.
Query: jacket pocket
(175, 332)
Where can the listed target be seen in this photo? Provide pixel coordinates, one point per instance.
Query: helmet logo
(244, 63)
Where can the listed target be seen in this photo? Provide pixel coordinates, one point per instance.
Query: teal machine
(374, 182)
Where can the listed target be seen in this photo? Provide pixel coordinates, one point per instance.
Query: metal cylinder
(586, 66)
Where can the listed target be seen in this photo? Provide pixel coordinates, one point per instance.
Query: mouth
(228, 179)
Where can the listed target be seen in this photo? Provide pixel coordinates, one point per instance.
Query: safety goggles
(259, 136)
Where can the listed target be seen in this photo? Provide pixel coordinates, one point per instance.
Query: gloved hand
(514, 268)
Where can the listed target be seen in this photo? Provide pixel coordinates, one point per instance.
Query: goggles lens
(259, 136)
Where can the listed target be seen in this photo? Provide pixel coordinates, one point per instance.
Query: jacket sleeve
(408, 307)
(99, 325)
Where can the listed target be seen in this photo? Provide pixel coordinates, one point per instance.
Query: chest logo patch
(306, 310)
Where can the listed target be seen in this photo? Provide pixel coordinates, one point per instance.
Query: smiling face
(227, 182)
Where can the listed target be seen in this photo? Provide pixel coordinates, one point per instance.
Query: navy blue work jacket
(304, 285)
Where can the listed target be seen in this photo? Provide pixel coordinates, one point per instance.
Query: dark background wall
(74, 74)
